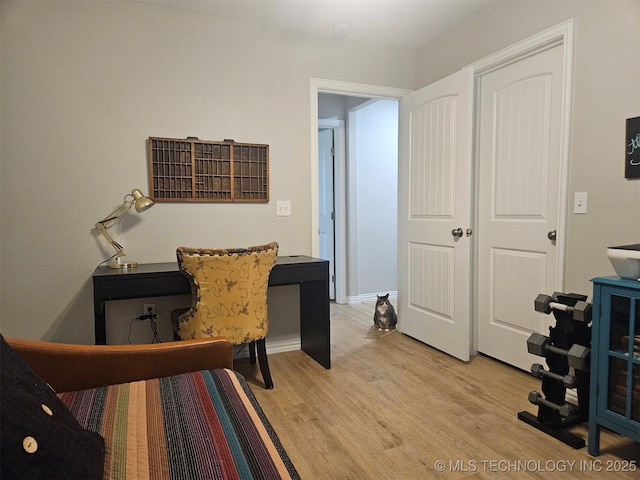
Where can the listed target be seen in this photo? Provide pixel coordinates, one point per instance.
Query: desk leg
(315, 331)
(99, 318)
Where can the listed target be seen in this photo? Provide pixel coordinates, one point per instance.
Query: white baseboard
(280, 346)
(571, 396)
(277, 346)
(369, 297)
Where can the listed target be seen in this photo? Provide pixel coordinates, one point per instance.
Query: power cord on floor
(152, 316)
(239, 350)
(129, 335)
(154, 329)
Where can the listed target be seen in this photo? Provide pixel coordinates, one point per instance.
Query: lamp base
(118, 263)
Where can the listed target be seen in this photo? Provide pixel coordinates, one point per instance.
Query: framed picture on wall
(632, 152)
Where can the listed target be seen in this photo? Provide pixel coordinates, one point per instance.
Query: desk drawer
(122, 288)
(299, 273)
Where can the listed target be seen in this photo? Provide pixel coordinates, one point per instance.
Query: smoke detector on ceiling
(341, 30)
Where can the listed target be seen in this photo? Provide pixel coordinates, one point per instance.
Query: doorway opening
(357, 191)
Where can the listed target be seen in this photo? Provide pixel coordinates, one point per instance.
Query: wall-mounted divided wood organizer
(192, 170)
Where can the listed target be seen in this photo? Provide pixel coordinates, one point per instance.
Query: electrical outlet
(148, 306)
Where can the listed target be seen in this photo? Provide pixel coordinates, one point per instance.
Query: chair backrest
(229, 292)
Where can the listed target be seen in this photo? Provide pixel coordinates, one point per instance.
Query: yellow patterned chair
(229, 297)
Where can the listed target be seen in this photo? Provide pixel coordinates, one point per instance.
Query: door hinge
(333, 215)
(333, 151)
(333, 279)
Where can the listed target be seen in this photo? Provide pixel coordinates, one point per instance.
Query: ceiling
(403, 24)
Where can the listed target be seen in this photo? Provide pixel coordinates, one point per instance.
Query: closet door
(519, 161)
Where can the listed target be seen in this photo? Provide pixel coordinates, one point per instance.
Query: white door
(519, 161)
(435, 185)
(326, 230)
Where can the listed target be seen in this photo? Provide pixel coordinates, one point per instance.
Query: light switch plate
(580, 202)
(283, 208)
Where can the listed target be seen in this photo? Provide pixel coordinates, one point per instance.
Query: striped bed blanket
(200, 425)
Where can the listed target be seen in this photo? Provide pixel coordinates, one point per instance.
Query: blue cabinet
(615, 360)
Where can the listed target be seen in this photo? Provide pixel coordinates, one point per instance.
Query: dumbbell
(565, 410)
(581, 311)
(577, 355)
(538, 371)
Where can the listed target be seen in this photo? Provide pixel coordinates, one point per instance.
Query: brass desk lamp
(142, 203)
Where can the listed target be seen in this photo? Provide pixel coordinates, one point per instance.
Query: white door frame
(562, 34)
(336, 87)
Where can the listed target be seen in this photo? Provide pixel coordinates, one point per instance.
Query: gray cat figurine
(384, 317)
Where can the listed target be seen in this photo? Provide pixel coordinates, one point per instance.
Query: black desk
(161, 279)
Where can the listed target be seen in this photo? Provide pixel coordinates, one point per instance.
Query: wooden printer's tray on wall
(193, 170)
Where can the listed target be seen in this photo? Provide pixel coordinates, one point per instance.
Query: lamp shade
(142, 203)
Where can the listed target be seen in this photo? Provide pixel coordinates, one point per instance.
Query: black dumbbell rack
(555, 415)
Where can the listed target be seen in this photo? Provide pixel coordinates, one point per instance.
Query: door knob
(552, 235)
(457, 232)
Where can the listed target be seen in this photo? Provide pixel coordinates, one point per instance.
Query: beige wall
(606, 92)
(84, 84)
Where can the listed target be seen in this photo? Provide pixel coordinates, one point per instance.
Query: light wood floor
(391, 408)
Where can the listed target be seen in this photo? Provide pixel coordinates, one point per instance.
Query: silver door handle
(457, 232)
(552, 235)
